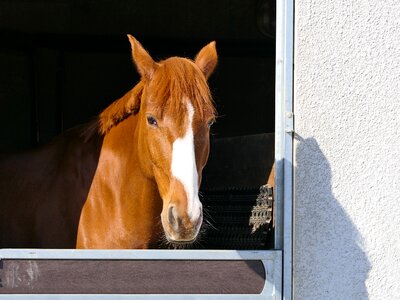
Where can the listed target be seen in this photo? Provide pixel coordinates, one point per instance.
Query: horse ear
(145, 64)
(207, 59)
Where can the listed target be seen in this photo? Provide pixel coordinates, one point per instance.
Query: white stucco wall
(347, 149)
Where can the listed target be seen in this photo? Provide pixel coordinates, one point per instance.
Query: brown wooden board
(131, 277)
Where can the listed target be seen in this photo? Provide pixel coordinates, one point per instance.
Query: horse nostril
(171, 217)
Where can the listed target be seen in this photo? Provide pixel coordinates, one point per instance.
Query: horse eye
(152, 121)
(210, 123)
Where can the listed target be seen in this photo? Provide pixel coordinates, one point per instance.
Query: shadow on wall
(329, 262)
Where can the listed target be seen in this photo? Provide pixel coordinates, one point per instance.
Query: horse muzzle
(180, 228)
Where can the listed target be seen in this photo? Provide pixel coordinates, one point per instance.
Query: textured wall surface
(347, 149)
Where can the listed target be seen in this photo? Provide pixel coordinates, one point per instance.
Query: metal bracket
(289, 122)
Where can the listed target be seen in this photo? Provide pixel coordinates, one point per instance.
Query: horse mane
(120, 109)
(175, 79)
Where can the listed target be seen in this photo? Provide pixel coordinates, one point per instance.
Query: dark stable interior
(62, 62)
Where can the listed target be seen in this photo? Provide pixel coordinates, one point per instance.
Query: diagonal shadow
(329, 262)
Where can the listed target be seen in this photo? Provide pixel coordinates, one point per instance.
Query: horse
(127, 180)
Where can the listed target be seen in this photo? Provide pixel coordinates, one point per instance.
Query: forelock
(176, 80)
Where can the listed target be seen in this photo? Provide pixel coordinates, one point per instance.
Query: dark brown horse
(125, 181)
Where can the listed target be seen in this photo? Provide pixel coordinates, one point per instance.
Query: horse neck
(123, 164)
(122, 203)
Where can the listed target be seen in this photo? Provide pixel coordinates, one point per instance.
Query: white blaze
(183, 166)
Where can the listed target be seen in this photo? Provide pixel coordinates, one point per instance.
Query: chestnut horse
(127, 180)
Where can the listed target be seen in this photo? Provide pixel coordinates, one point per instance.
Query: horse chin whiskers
(207, 221)
(181, 243)
(168, 243)
(171, 244)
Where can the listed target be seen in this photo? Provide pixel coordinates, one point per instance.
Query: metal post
(284, 127)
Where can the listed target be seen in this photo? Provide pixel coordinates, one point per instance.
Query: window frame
(277, 262)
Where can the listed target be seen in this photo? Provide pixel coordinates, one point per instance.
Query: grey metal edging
(138, 254)
(284, 129)
(271, 259)
(135, 297)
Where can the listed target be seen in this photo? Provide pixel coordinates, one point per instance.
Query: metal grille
(238, 206)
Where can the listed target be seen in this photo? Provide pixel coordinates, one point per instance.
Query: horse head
(175, 112)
